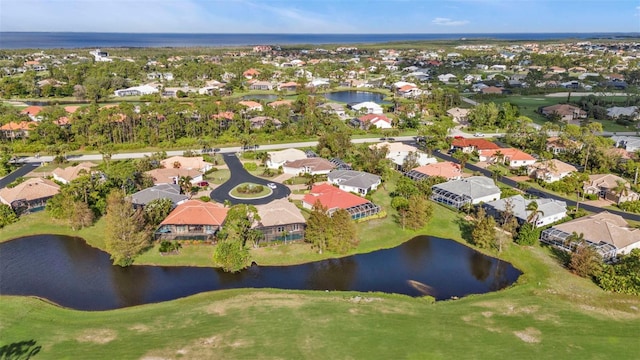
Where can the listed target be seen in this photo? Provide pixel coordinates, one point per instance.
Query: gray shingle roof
(169, 191)
(358, 179)
(548, 207)
(474, 186)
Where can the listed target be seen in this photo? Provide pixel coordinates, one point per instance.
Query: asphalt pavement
(21, 171)
(238, 176)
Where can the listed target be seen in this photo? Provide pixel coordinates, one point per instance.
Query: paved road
(238, 176)
(21, 171)
(541, 193)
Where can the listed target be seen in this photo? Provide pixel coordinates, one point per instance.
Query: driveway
(21, 171)
(238, 176)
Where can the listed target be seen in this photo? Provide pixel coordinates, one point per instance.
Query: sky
(321, 16)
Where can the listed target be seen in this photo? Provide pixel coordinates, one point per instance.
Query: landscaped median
(250, 191)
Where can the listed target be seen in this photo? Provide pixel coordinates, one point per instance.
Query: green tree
(232, 256)
(7, 216)
(318, 225)
(401, 205)
(126, 233)
(157, 210)
(343, 233)
(419, 212)
(527, 235)
(585, 261)
(483, 234)
(534, 212)
(623, 276)
(80, 215)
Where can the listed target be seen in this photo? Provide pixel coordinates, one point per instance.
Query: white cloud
(449, 22)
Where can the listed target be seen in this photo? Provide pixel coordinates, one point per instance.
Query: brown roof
(279, 212)
(196, 212)
(478, 144)
(195, 162)
(491, 90)
(315, 164)
(72, 172)
(606, 227)
(249, 103)
(606, 181)
(563, 109)
(31, 189)
(165, 176)
(554, 166)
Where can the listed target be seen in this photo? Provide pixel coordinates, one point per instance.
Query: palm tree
(185, 184)
(621, 190)
(574, 238)
(499, 156)
(535, 213)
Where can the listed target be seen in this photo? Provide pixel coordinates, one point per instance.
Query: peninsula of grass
(250, 191)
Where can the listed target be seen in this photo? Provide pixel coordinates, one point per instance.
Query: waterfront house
(33, 112)
(358, 182)
(368, 107)
(280, 220)
(251, 105)
(472, 190)
(193, 220)
(333, 199)
(609, 234)
(549, 210)
(30, 195)
(261, 85)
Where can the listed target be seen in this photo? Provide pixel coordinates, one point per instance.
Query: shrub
(205, 198)
(251, 166)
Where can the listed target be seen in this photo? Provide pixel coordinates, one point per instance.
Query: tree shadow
(20, 350)
(561, 256)
(466, 228)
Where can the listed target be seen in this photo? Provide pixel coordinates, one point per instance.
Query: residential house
(183, 162)
(491, 90)
(288, 86)
(173, 175)
(446, 78)
(162, 191)
(261, 85)
(278, 158)
(258, 122)
(459, 115)
(470, 145)
(372, 120)
(333, 199)
(498, 67)
(606, 185)
(409, 91)
(358, 182)
(514, 158)
(368, 107)
(472, 190)
(224, 118)
(551, 170)
(13, 130)
(250, 73)
(609, 234)
(71, 173)
(548, 211)
(558, 145)
(251, 105)
(334, 108)
(193, 220)
(33, 112)
(278, 103)
(312, 166)
(566, 112)
(136, 91)
(629, 143)
(446, 169)
(280, 220)
(30, 195)
(397, 152)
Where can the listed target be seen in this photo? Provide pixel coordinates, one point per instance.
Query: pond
(351, 97)
(68, 272)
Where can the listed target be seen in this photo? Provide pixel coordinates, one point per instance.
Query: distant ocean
(52, 40)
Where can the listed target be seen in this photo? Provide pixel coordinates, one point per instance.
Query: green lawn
(218, 177)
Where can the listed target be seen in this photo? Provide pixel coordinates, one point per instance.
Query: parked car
(391, 139)
(478, 134)
(271, 185)
(203, 183)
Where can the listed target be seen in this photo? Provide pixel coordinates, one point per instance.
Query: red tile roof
(508, 153)
(196, 212)
(23, 125)
(333, 198)
(373, 118)
(31, 110)
(479, 144)
(446, 169)
(223, 115)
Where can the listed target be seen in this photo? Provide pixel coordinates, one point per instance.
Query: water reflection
(68, 272)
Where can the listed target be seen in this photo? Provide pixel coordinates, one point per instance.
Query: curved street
(238, 176)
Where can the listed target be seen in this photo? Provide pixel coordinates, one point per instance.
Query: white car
(478, 134)
(271, 185)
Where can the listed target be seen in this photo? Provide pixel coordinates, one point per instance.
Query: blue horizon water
(71, 40)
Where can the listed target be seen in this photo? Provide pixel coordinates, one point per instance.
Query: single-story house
(491, 90)
(258, 122)
(368, 107)
(288, 86)
(471, 145)
(313, 166)
(632, 112)
(278, 158)
(261, 85)
(566, 112)
(459, 115)
(512, 157)
(333, 199)
(629, 143)
(551, 170)
(604, 186)
(173, 175)
(33, 112)
(359, 182)
(70, 173)
(13, 130)
(334, 108)
(137, 91)
(30, 195)
(250, 73)
(549, 210)
(183, 162)
(280, 220)
(398, 152)
(472, 190)
(251, 105)
(609, 234)
(193, 219)
(278, 103)
(446, 169)
(372, 120)
(558, 145)
(445, 78)
(161, 191)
